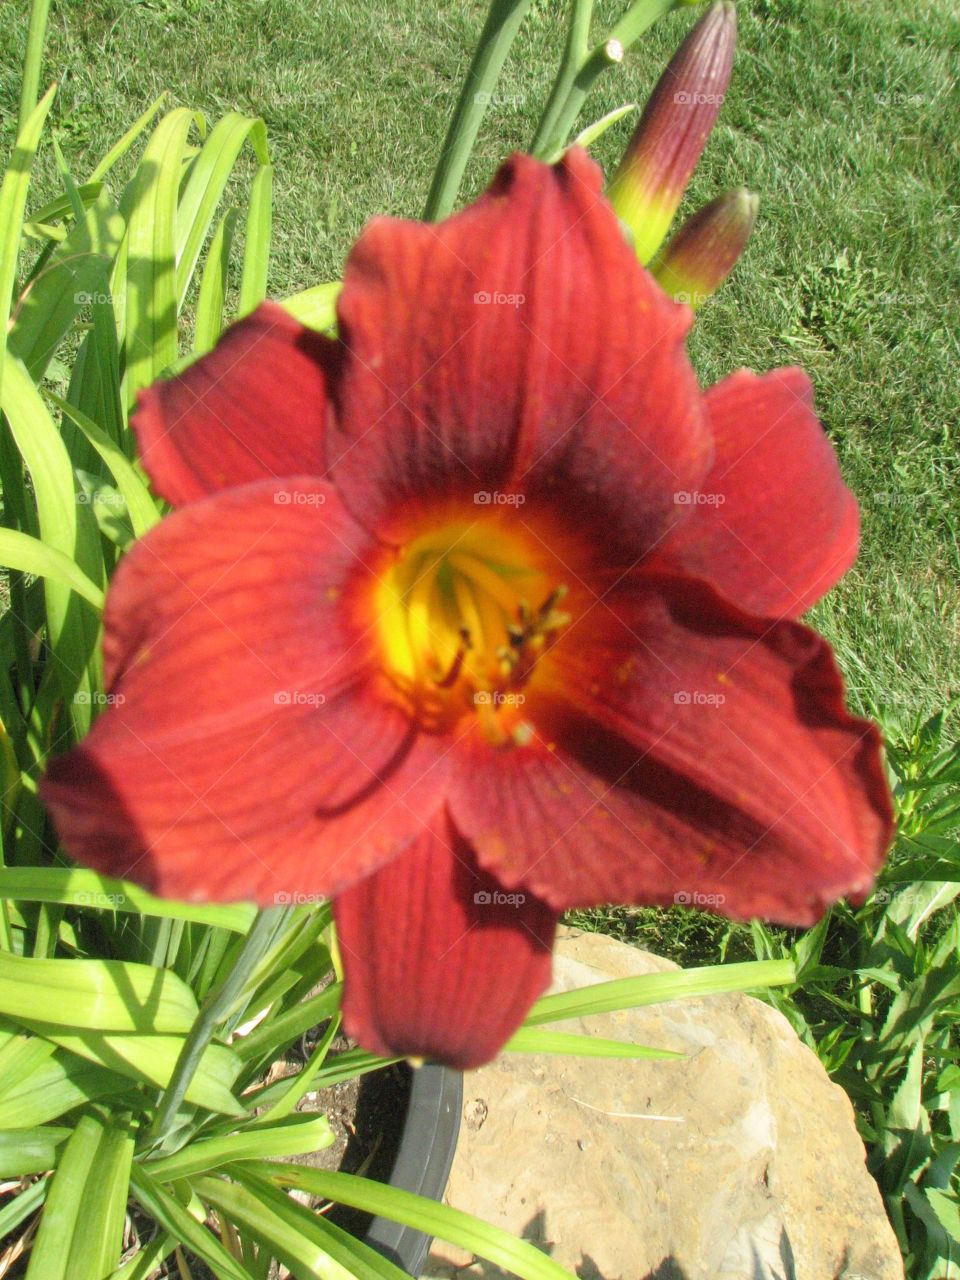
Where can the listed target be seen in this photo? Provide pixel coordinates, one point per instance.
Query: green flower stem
(574, 56)
(553, 134)
(215, 1008)
(499, 31)
(30, 83)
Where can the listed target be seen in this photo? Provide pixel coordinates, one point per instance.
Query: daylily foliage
(481, 611)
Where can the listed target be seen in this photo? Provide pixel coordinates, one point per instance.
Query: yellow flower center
(464, 614)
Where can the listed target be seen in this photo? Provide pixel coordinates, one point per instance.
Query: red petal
(569, 381)
(440, 962)
(254, 408)
(247, 752)
(773, 526)
(641, 785)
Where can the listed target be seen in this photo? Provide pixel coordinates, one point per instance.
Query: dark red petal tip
(254, 408)
(440, 961)
(773, 526)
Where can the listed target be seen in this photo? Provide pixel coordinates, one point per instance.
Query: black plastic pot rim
(423, 1162)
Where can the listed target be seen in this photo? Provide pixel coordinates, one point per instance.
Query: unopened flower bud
(673, 130)
(695, 263)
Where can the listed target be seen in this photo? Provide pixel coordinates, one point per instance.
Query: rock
(739, 1162)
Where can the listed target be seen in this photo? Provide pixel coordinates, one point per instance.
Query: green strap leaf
(256, 249)
(13, 201)
(293, 1137)
(81, 1230)
(66, 526)
(30, 555)
(656, 988)
(53, 1082)
(101, 995)
(34, 1150)
(151, 1059)
(120, 149)
(77, 887)
(535, 1040)
(140, 505)
(150, 261)
(209, 174)
(175, 1219)
(498, 1247)
(213, 286)
(315, 307)
(73, 275)
(301, 1240)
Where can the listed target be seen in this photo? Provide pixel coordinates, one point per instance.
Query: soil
(367, 1115)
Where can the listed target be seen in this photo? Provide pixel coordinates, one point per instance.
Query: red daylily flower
(479, 612)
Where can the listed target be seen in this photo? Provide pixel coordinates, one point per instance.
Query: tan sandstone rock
(741, 1162)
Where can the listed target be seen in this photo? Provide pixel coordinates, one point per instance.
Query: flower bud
(676, 122)
(705, 250)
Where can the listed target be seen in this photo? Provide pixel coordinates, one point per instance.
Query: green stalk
(30, 82)
(215, 1008)
(499, 31)
(641, 15)
(574, 55)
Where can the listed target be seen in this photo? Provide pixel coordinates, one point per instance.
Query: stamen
(464, 627)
